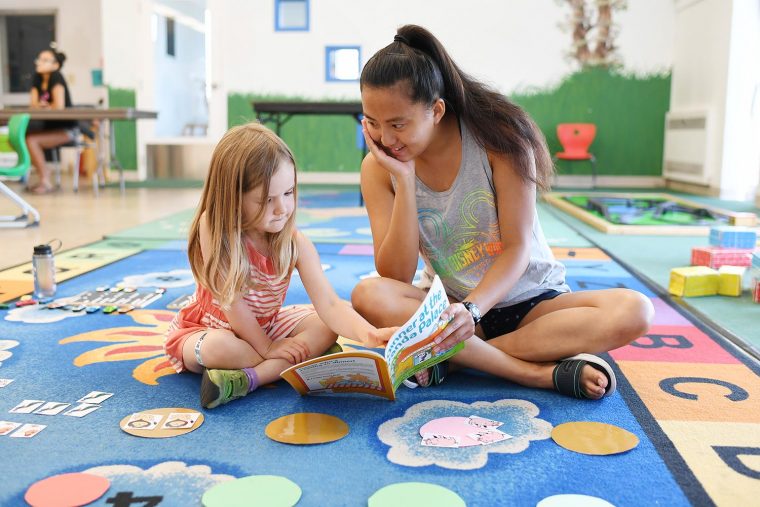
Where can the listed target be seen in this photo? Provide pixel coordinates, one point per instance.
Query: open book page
(361, 371)
(410, 349)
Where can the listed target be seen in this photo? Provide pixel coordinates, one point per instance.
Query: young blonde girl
(243, 247)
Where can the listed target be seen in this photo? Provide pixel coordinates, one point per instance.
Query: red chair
(576, 139)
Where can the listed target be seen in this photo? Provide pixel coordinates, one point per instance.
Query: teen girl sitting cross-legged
(452, 175)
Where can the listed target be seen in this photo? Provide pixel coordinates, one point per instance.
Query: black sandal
(435, 377)
(567, 375)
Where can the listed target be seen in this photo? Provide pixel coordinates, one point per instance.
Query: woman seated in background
(49, 91)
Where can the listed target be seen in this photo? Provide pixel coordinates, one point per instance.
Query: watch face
(474, 311)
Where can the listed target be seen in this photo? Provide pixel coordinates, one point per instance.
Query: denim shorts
(500, 321)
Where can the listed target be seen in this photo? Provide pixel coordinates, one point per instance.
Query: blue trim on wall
(328, 50)
(278, 28)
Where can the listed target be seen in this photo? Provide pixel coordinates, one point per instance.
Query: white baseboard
(328, 178)
(609, 181)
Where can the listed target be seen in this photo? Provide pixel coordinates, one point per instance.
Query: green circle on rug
(253, 491)
(415, 493)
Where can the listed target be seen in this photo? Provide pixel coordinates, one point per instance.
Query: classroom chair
(84, 137)
(17, 138)
(576, 139)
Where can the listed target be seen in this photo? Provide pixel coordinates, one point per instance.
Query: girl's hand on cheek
(395, 167)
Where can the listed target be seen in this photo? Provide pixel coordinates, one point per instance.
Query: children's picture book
(408, 351)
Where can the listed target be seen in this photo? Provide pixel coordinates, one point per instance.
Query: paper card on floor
(438, 440)
(82, 410)
(179, 421)
(5, 381)
(482, 422)
(28, 430)
(95, 397)
(143, 421)
(485, 437)
(8, 426)
(26, 407)
(52, 408)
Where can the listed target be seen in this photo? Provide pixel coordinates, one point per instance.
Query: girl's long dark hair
(418, 58)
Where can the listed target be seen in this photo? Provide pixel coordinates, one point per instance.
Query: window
(342, 63)
(291, 15)
(170, 37)
(21, 39)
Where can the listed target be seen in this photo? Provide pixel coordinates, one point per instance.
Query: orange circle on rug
(162, 422)
(306, 428)
(594, 438)
(63, 490)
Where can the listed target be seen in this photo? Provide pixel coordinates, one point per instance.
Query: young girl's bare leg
(231, 368)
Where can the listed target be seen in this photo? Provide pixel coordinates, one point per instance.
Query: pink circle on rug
(72, 489)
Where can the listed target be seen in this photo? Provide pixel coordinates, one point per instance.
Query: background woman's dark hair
(59, 57)
(417, 57)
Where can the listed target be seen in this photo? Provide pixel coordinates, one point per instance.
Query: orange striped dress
(265, 303)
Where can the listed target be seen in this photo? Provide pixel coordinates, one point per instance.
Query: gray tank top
(460, 237)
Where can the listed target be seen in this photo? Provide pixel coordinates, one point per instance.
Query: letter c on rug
(669, 386)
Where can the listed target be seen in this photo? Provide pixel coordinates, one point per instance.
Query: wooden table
(89, 114)
(281, 112)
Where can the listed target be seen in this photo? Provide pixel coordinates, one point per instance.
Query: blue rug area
(60, 356)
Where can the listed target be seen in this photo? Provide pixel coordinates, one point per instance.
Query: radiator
(687, 145)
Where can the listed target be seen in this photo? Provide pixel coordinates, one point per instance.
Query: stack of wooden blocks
(719, 268)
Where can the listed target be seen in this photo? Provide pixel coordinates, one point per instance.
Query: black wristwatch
(474, 311)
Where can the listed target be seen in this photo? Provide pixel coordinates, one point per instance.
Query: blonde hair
(246, 157)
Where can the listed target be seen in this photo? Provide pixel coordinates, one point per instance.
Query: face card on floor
(82, 410)
(436, 440)
(8, 426)
(52, 408)
(28, 430)
(486, 437)
(95, 397)
(482, 422)
(178, 421)
(143, 421)
(5, 381)
(26, 407)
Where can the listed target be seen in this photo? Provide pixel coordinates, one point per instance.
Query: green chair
(17, 137)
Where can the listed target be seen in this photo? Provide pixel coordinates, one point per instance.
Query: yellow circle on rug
(306, 428)
(595, 438)
(162, 422)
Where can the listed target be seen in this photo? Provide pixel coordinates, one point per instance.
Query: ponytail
(416, 57)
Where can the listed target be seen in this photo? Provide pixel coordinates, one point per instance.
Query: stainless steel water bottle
(43, 269)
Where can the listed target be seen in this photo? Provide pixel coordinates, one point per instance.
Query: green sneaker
(222, 386)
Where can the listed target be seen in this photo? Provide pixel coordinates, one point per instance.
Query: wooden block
(693, 281)
(733, 237)
(714, 256)
(730, 282)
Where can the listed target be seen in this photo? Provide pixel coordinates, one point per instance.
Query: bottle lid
(43, 250)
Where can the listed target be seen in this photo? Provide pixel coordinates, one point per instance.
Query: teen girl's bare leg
(37, 142)
(555, 329)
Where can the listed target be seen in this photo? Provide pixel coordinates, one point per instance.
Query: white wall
(716, 68)
(179, 79)
(514, 45)
(78, 34)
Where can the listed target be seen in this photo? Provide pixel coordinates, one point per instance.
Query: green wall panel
(320, 143)
(125, 132)
(629, 113)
